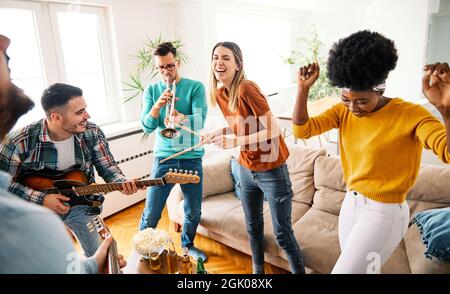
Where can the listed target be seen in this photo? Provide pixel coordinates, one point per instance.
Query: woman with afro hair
(380, 143)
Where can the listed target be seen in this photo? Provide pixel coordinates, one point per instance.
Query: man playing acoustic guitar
(63, 139)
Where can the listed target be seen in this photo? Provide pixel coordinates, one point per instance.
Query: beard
(13, 104)
(74, 128)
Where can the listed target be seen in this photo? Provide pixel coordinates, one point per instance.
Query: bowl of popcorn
(150, 240)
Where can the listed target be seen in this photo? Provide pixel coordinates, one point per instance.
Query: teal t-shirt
(192, 102)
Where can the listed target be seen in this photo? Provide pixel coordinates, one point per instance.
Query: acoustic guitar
(72, 183)
(112, 260)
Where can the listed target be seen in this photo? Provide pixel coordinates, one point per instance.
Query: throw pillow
(434, 226)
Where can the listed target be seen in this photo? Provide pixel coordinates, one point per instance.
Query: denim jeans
(77, 220)
(157, 196)
(276, 185)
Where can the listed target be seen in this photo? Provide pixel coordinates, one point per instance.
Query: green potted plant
(309, 52)
(145, 70)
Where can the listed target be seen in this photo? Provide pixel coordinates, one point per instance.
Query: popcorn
(149, 240)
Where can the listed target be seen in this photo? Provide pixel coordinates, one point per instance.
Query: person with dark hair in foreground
(61, 141)
(34, 240)
(380, 143)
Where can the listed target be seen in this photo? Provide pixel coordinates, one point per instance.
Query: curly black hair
(361, 61)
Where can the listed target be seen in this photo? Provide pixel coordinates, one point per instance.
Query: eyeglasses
(169, 67)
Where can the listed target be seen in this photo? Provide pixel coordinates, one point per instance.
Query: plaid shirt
(32, 149)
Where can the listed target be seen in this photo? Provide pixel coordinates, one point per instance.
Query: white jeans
(369, 231)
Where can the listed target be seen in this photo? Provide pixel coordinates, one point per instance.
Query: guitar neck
(106, 188)
(113, 260)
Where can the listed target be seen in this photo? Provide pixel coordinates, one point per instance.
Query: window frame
(51, 53)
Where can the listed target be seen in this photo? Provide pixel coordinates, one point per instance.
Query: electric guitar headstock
(181, 177)
(97, 224)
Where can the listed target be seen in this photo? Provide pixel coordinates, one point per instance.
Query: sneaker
(195, 253)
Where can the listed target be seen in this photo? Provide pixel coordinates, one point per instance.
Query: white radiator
(135, 158)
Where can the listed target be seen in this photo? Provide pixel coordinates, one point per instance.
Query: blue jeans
(77, 220)
(276, 185)
(157, 196)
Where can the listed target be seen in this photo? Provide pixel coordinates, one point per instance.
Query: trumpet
(170, 131)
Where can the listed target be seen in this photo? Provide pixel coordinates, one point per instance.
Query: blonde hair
(238, 77)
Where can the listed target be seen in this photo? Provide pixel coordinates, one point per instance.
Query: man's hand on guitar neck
(55, 202)
(130, 187)
(102, 253)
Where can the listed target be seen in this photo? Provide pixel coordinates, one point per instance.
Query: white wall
(404, 21)
(133, 22)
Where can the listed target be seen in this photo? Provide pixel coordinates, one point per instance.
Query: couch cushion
(431, 190)
(328, 200)
(328, 180)
(217, 177)
(223, 214)
(301, 167)
(298, 210)
(317, 234)
(214, 210)
(233, 226)
(418, 263)
(398, 262)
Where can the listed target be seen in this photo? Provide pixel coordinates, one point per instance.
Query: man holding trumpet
(177, 145)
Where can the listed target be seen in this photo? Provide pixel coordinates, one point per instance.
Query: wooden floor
(221, 258)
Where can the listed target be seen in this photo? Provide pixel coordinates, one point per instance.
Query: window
(26, 62)
(52, 43)
(263, 41)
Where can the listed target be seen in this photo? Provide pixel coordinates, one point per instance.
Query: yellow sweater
(381, 152)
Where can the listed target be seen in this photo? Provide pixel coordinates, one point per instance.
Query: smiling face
(72, 117)
(224, 65)
(361, 103)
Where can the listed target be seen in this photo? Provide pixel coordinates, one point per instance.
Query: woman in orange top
(262, 161)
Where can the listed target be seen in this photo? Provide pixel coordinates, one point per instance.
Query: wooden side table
(136, 264)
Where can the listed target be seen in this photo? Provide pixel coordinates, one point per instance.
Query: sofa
(319, 189)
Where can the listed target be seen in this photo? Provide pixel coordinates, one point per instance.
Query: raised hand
(307, 75)
(436, 86)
